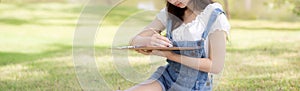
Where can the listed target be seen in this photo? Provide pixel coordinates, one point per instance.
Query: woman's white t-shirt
(193, 31)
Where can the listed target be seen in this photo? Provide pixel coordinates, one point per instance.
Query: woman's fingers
(164, 39)
(156, 44)
(145, 52)
(158, 40)
(159, 43)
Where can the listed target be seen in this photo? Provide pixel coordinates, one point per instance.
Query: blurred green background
(36, 40)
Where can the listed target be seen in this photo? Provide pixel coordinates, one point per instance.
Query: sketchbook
(154, 48)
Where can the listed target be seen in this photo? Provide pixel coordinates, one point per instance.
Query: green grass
(36, 51)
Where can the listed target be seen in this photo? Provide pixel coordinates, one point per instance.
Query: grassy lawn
(36, 51)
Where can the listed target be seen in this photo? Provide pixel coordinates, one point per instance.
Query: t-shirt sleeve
(222, 24)
(162, 16)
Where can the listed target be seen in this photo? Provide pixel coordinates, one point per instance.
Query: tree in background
(295, 5)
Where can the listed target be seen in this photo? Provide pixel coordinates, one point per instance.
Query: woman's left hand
(165, 54)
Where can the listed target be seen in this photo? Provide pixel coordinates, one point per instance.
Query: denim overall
(178, 77)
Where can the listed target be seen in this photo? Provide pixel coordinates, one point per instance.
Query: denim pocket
(207, 86)
(199, 85)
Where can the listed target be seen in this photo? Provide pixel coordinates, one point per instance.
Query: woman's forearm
(202, 64)
(144, 37)
(214, 63)
(140, 41)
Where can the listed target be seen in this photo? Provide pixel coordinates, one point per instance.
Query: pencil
(154, 31)
(159, 34)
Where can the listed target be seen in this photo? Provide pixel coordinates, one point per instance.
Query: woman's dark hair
(176, 14)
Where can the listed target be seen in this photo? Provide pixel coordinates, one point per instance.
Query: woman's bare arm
(213, 64)
(217, 44)
(144, 37)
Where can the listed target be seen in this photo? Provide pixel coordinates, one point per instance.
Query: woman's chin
(181, 6)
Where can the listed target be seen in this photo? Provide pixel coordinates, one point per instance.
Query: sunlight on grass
(55, 73)
(19, 72)
(35, 38)
(142, 65)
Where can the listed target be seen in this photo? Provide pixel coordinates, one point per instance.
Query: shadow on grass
(56, 64)
(52, 72)
(15, 57)
(61, 50)
(14, 21)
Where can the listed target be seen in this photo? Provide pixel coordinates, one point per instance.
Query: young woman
(189, 23)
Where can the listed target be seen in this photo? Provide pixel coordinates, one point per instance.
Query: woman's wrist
(139, 40)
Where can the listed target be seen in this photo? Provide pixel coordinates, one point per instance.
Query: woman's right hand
(156, 40)
(160, 41)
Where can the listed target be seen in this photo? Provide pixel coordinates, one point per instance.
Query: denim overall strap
(211, 21)
(169, 29)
